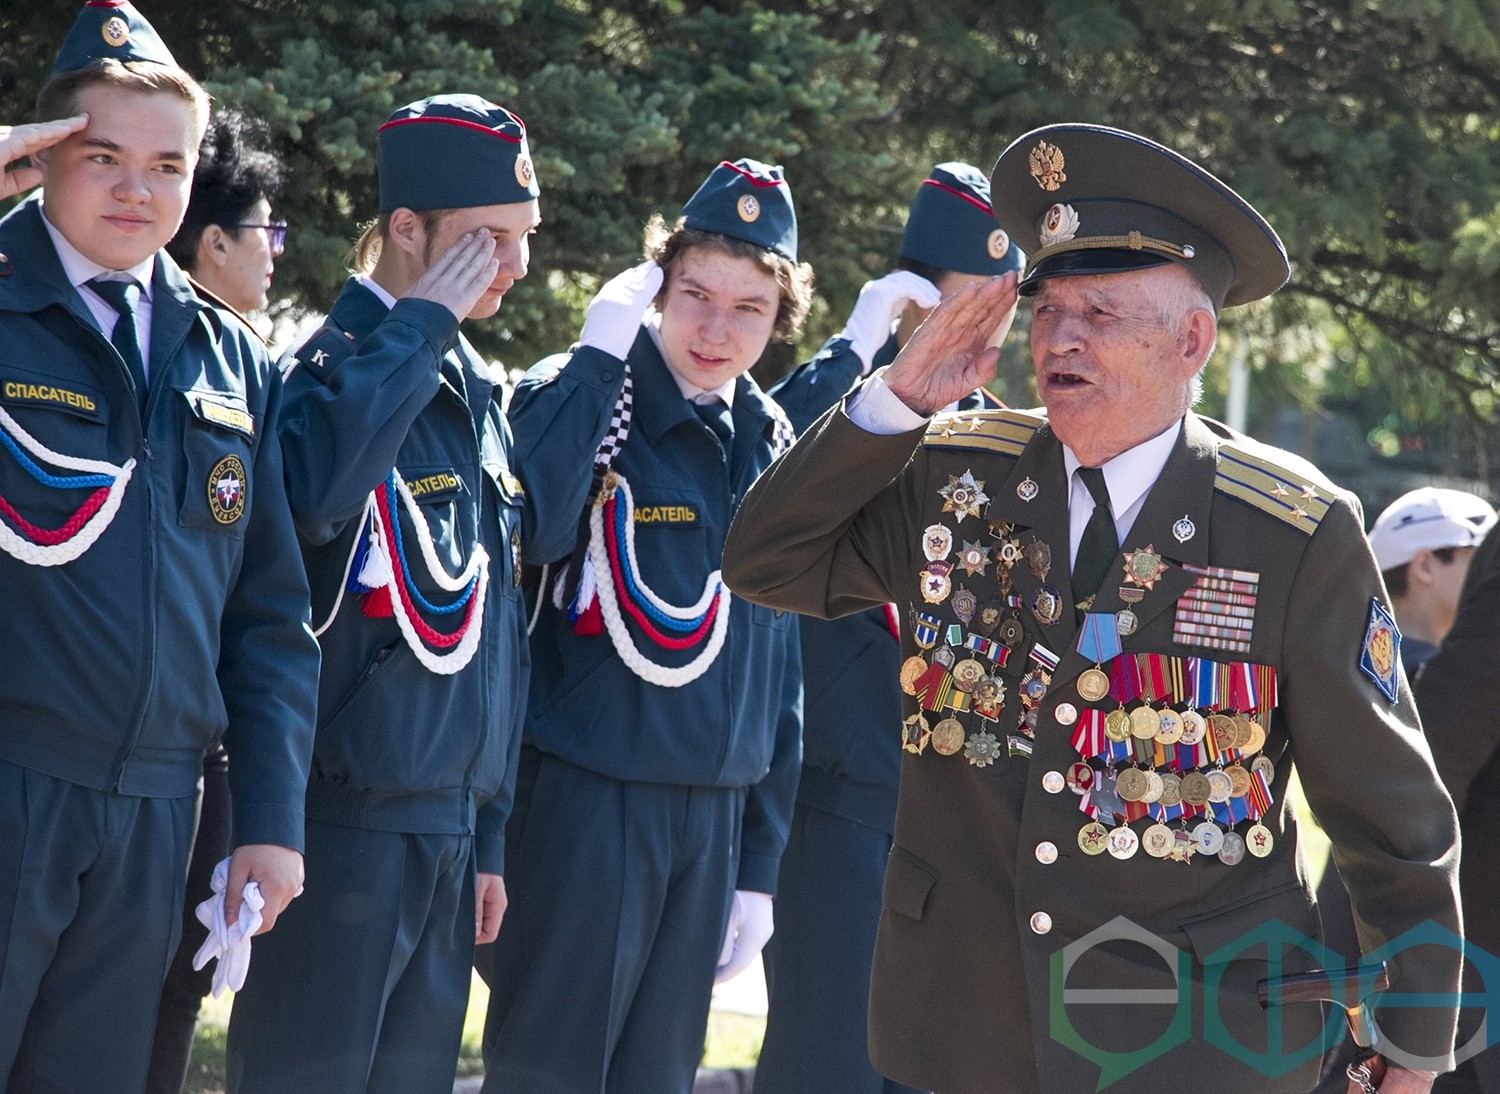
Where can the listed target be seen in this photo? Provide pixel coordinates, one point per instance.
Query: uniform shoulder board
(1274, 482)
(1006, 432)
(327, 346)
(211, 297)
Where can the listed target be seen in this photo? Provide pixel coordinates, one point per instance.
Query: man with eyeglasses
(228, 242)
(227, 246)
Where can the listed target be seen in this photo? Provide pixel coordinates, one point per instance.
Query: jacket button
(1053, 782)
(1041, 922)
(1046, 853)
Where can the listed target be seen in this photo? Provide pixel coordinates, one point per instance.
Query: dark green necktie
(1098, 547)
(121, 296)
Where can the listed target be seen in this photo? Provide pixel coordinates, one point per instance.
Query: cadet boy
(400, 473)
(660, 767)
(1188, 613)
(155, 600)
(828, 902)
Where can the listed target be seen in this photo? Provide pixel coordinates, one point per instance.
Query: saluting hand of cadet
(879, 303)
(956, 348)
(460, 275)
(614, 316)
(22, 140)
(277, 869)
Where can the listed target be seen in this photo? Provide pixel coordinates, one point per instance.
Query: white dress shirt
(80, 271)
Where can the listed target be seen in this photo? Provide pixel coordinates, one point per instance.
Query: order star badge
(973, 558)
(963, 496)
(1143, 567)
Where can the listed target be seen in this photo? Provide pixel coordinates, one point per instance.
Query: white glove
(229, 942)
(750, 927)
(614, 316)
(879, 303)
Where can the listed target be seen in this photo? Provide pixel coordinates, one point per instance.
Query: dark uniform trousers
(645, 872)
(76, 865)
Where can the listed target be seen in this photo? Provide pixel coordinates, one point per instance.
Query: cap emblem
(998, 244)
(748, 208)
(1059, 225)
(523, 170)
(115, 32)
(1047, 165)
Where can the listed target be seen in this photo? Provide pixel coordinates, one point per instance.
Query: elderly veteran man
(828, 903)
(1095, 861)
(400, 474)
(154, 599)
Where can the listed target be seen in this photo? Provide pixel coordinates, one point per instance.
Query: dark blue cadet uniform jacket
(399, 747)
(737, 725)
(187, 619)
(851, 755)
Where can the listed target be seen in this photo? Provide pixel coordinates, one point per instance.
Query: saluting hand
(22, 140)
(460, 275)
(955, 350)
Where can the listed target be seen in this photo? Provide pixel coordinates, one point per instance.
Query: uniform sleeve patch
(1380, 657)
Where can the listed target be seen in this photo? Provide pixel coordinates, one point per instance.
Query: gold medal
(1242, 731)
(1131, 784)
(1195, 788)
(1263, 767)
(1222, 727)
(911, 671)
(1093, 684)
(1093, 838)
(1117, 725)
(1259, 841)
(947, 737)
(1171, 790)
(1239, 780)
(1157, 841)
(967, 674)
(1257, 739)
(1169, 727)
(1143, 723)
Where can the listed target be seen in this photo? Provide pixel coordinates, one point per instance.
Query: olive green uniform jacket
(991, 908)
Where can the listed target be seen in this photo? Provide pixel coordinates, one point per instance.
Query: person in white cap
(1423, 542)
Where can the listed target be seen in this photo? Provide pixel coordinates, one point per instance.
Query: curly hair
(793, 279)
(235, 170)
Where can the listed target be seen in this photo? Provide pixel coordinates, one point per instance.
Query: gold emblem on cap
(998, 244)
(524, 171)
(1059, 225)
(115, 32)
(748, 208)
(1047, 165)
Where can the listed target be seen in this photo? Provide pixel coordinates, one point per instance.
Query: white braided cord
(348, 566)
(614, 623)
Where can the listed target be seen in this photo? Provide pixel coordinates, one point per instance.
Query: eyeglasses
(276, 230)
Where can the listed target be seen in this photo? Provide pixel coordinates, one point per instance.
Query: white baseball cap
(1430, 518)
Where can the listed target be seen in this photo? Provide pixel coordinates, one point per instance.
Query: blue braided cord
(682, 626)
(60, 482)
(411, 587)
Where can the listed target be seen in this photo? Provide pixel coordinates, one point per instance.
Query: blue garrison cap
(1100, 201)
(952, 227)
(110, 29)
(453, 152)
(746, 200)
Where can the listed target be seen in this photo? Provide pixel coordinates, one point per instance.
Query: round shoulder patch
(226, 490)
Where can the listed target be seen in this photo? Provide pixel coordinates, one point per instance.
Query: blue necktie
(122, 295)
(716, 415)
